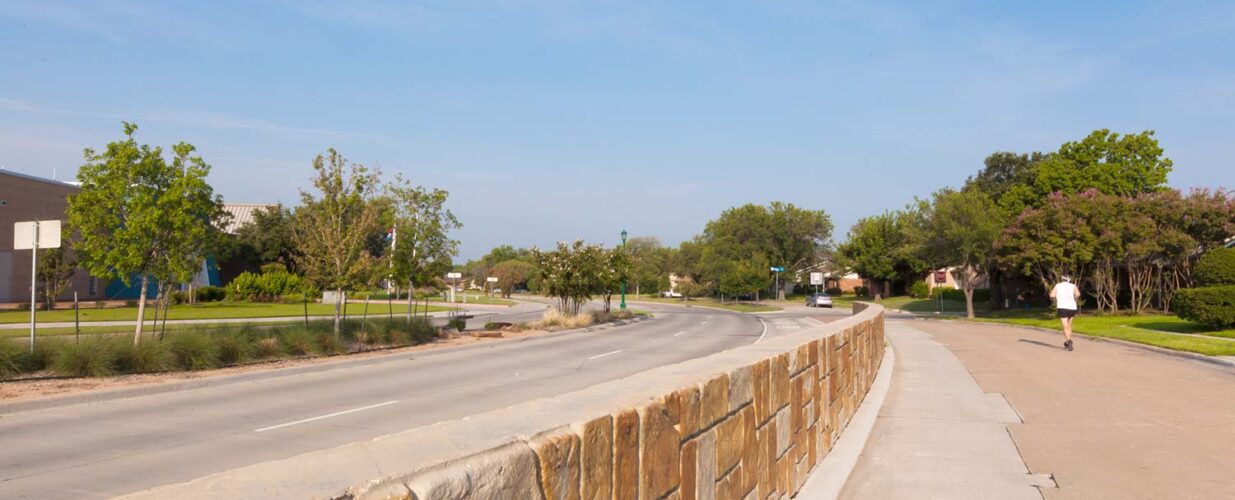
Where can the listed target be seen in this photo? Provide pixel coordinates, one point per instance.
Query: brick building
(26, 198)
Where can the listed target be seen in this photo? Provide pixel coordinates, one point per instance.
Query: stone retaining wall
(751, 431)
(747, 423)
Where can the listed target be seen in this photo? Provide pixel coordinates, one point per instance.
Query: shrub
(99, 304)
(179, 298)
(267, 348)
(1213, 306)
(862, 291)
(1216, 268)
(457, 323)
(235, 347)
(944, 290)
(14, 359)
(299, 342)
(835, 292)
(919, 290)
(145, 357)
(193, 350)
(422, 330)
(94, 357)
(328, 343)
(268, 286)
(210, 293)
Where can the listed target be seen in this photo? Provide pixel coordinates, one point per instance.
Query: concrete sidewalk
(939, 435)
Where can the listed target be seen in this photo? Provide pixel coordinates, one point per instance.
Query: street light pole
(623, 306)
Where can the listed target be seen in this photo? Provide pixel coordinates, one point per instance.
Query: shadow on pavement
(1038, 342)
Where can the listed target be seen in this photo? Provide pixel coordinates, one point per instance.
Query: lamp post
(623, 306)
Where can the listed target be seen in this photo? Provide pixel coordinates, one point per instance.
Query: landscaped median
(749, 421)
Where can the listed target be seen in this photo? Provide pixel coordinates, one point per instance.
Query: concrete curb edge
(832, 473)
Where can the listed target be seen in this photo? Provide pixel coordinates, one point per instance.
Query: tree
(138, 215)
(785, 234)
(269, 237)
(1113, 164)
(573, 273)
(511, 274)
(613, 268)
(1008, 179)
(1048, 242)
(423, 247)
(961, 230)
(648, 260)
(883, 247)
(55, 268)
(745, 277)
(332, 228)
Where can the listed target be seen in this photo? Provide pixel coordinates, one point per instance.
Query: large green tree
(332, 227)
(787, 235)
(268, 238)
(961, 228)
(1113, 164)
(884, 248)
(138, 215)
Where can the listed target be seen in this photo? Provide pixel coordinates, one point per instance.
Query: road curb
(102, 395)
(1212, 360)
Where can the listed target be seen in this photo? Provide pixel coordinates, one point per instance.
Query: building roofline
(37, 178)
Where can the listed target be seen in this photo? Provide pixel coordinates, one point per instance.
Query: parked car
(819, 300)
(670, 294)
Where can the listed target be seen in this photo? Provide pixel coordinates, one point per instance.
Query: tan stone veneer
(747, 423)
(744, 430)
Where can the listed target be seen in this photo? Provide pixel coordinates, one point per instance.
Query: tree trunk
(141, 310)
(338, 302)
(410, 293)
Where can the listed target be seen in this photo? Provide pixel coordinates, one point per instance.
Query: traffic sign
(454, 276)
(941, 277)
(491, 279)
(816, 278)
(777, 268)
(47, 231)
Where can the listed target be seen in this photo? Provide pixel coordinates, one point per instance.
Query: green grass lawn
(710, 302)
(208, 310)
(1151, 329)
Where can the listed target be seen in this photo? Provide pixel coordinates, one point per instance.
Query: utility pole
(623, 306)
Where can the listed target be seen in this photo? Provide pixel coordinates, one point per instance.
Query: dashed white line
(335, 414)
(610, 353)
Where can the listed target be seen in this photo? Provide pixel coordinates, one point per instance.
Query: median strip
(323, 417)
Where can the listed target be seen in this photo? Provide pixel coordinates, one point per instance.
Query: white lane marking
(765, 331)
(679, 333)
(335, 414)
(610, 353)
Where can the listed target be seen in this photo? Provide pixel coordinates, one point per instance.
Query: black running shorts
(1067, 313)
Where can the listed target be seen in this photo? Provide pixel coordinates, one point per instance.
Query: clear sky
(555, 120)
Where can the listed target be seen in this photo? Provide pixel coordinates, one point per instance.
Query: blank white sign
(49, 234)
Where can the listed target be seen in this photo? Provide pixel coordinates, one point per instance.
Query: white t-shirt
(1065, 295)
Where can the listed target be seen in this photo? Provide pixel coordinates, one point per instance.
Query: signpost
(491, 280)
(816, 278)
(32, 236)
(454, 277)
(941, 277)
(777, 270)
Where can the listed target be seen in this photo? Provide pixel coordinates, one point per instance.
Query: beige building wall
(26, 198)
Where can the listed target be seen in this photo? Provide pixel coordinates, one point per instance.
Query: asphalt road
(125, 445)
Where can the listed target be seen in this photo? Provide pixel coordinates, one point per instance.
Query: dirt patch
(32, 389)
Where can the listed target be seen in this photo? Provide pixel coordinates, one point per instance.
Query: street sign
(454, 276)
(816, 278)
(941, 277)
(48, 232)
(491, 279)
(777, 268)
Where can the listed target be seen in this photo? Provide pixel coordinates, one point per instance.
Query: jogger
(1066, 295)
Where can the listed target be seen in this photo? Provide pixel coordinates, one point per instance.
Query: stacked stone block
(752, 433)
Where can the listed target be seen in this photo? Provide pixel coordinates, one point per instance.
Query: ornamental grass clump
(235, 346)
(299, 341)
(14, 359)
(193, 350)
(148, 356)
(93, 357)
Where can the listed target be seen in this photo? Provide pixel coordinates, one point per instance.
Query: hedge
(1216, 268)
(1213, 306)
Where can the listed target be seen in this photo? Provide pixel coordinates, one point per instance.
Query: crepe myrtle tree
(138, 215)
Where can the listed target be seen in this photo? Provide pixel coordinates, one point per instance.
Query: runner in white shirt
(1065, 295)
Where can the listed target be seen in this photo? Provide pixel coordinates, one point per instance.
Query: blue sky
(555, 120)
